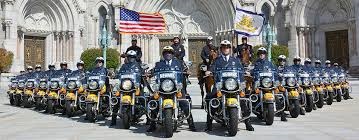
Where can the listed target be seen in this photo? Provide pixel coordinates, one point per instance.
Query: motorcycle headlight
(127, 85)
(230, 84)
(42, 85)
(291, 82)
(266, 82)
(335, 79)
(306, 81)
(71, 85)
(167, 85)
(93, 85)
(30, 84)
(21, 85)
(54, 85)
(316, 81)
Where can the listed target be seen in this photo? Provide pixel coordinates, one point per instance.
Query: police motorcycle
(231, 86)
(336, 85)
(305, 90)
(30, 89)
(21, 83)
(167, 88)
(264, 96)
(75, 95)
(97, 100)
(289, 86)
(41, 92)
(318, 89)
(129, 97)
(327, 87)
(343, 79)
(12, 90)
(56, 92)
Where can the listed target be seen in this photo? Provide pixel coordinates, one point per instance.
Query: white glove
(207, 60)
(208, 73)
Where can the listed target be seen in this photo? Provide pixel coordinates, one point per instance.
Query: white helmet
(100, 59)
(282, 57)
(38, 66)
(209, 38)
(328, 62)
(262, 50)
(225, 42)
(296, 58)
(80, 63)
(131, 53)
(308, 60)
(335, 64)
(29, 67)
(318, 61)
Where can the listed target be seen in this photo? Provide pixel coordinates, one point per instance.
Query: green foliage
(276, 51)
(6, 58)
(89, 57)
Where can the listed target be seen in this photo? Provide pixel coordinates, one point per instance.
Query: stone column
(71, 46)
(57, 36)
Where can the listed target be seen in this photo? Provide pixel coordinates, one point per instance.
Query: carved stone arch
(94, 11)
(271, 4)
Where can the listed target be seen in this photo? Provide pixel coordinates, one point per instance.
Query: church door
(338, 47)
(34, 51)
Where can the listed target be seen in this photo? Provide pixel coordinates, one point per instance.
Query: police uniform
(206, 51)
(179, 51)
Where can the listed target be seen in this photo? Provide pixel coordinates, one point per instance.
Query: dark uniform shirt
(241, 47)
(206, 51)
(138, 51)
(179, 51)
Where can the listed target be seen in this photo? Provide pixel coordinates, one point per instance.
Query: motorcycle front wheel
(126, 118)
(339, 95)
(346, 94)
(70, 109)
(90, 114)
(27, 103)
(168, 122)
(295, 108)
(17, 100)
(11, 98)
(330, 98)
(38, 105)
(233, 121)
(269, 114)
(320, 102)
(50, 107)
(310, 104)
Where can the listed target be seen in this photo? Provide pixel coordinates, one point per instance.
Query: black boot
(314, 107)
(302, 112)
(249, 126)
(113, 120)
(283, 117)
(191, 123)
(152, 127)
(209, 124)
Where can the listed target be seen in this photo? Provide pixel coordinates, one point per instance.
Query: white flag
(248, 23)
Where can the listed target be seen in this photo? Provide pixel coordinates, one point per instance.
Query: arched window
(266, 11)
(102, 18)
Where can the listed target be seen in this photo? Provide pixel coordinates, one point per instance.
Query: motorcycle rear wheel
(233, 121)
(320, 102)
(339, 95)
(330, 98)
(168, 122)
(294, 112)
(90, 114)
(269, 114)
(310, 104)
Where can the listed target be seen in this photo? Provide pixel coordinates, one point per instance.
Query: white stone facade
(71, 26)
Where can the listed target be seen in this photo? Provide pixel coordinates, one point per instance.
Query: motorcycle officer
(135, 48)
(224, 60)
(318, 65)
(51, 70)
(308, 65)
(298, 67)
(38, 71)
(64, 69)
(169, 60)
(282, 59)
(131, 63)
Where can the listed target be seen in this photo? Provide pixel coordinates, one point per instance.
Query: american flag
(135, 22)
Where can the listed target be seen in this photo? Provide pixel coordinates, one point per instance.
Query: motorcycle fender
(168, 103)
(70, 96)
(345, 86)
(309, 92)
(268, 97)
(293, 94)
(319, 89)
(12, 92)
(53, 95)
(28, 92)
(92, 98)
(232, 102)
(41, 93)
(337, 87)
(330, 88)
(126, 99)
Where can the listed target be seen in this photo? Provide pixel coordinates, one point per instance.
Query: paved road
(336, 122)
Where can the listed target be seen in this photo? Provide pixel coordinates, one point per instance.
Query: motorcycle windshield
(265, 71)
(224, 73)
(171, 73)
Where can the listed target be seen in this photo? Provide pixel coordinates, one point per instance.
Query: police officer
(38, 71)
(226, 60)
(318, 65)
(135, 48)
(282, 59)
(169, 61)
(51, 70)
(131, 64)
(243, 46)
(262, 60)
(179, 51)
(29, 69)
(64, 69)
(308, 65)
(99, 68)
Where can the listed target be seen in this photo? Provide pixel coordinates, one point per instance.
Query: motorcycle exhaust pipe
(214, 103)
(62, 97)
(152, 105)
(82, 98)
(253, 98)
(114, 101)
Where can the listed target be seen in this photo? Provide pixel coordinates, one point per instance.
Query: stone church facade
(51, 31)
